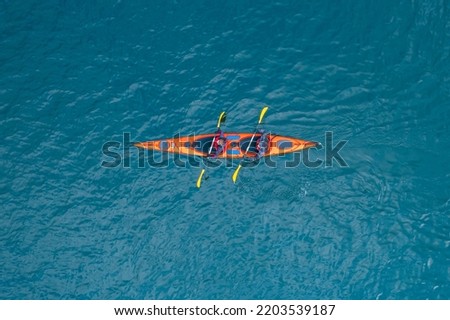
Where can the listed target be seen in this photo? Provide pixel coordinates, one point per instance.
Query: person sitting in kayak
(219, 144)
(262, 144)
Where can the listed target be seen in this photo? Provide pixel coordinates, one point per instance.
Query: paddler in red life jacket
(219, 144)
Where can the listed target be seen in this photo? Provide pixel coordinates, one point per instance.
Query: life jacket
(216, 141)
(219, 149)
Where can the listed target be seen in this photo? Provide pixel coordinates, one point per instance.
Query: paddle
(261, 116)
(222, 118)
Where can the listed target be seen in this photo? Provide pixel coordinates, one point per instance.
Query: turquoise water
(77, 74)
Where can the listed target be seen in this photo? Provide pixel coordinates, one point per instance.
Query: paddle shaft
(218, 127)
(261, 116)
(212, 144)
(263, 112)
(222, 118)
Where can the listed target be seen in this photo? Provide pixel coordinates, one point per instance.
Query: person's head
(221, 142)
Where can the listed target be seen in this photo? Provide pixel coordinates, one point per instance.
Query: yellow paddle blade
(263, 112)
(235, 174)
(199, 180)
(222, 117)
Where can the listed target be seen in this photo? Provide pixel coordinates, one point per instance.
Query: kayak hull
(236, 145)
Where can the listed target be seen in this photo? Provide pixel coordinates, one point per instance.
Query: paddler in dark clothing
(262, 144)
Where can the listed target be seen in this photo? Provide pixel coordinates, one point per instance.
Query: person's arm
(217, 152)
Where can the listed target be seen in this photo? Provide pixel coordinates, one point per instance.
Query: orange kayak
(236, 145)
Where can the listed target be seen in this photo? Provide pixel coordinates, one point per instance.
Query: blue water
(77, 74)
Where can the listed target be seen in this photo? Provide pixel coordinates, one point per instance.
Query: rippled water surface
(76, 74)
